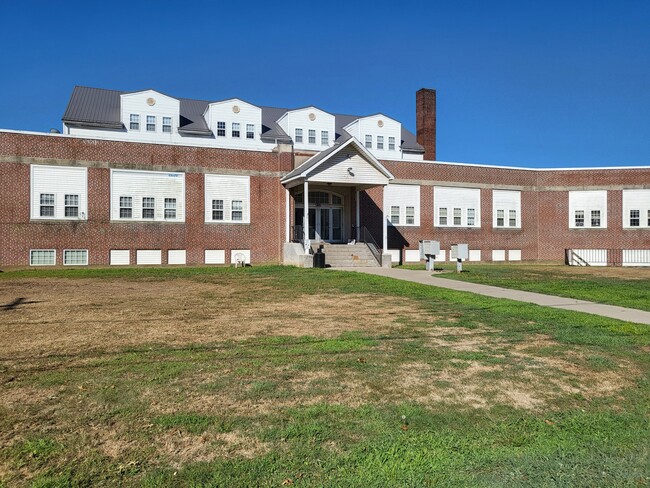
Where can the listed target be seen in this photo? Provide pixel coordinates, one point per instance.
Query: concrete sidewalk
(426, 278)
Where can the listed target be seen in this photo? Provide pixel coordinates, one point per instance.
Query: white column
(287, 219)
(358, 219)
(305, 226)
(385, 222)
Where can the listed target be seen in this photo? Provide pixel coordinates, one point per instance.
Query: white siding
(59, 181)
(120, 257)
(227, 188)
(245, 252)
(636, 200)
(335, 170)
(371, 126)
(176, 256)
(451, 198)
(474, 254)
(506, 200)
(226, 111)
(636, 257)
(136, 103)
(514, 255)
(412, 256)
(498, 255)
(402, 196)
(587, 201)
(215, 256)
(147, 184)
(300, 118)
(148, 256)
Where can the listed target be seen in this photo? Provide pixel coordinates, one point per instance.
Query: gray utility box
(460, 251)
(429, 248)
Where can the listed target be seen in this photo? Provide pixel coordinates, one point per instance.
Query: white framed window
(471, 216)
(391, 143)
(635, 218)
(369, 141)
(298, 135)
(410, 215)
(151, 123)
(506, 203)
(312, 136)
(636, 209)
(394, 214)
(217, 209)
(221, 129)
(134, 122)
(58, 192)
(462, 206)
(170, 209)
(250, 131)
(227, 199)
(126, 207)
(501, 217)
(42, 257)
(47, 205)
(442, 216)
(512, 218)
(167, 125)
(237, 210)
(380, 143)
(235, 130)
(324, 138)
(75, 257)
(583, 205)
(148, 208)
(458, 215)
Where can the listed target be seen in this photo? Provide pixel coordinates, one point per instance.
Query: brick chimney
(425, 115)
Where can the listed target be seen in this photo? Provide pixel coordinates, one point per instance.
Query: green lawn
(276, 376)
(625, 287)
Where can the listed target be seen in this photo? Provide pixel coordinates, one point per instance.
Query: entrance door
(323, 224)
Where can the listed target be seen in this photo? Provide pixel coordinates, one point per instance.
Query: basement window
(75, 257)
(217, 209)
(391, 143)
(579, 218)
(167, 125)
(635, 218)
(71, 206)
(148, 207)
(134, 122)
(42, 257)
(595, 218)
(237, 210)
(170, 209)
(47, 204)
(394, 215)
(126, 207)
(221, 129)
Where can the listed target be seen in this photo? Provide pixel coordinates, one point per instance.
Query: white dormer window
(324, 138)
(250, 131)
(312, 136)
(368, 141)
(235, 129)
(380, 143)
(298, 135)
(134, 122)
(221, 129)
(391, 143)
(167, 125)
(151, 123)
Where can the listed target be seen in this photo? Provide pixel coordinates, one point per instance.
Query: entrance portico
(325, 185)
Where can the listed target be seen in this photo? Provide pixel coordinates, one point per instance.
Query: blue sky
(525, 83)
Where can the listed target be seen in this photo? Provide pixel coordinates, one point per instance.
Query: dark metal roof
(98, 107)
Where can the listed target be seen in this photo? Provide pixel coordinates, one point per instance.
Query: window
(457, 216)
(579, 218)
(501, 218)
(126, 207)
(75, 257)
(337, 200)
(217, 209)
(151, 123)
(71, 205)
(595, 218)
(648, 218)
(394, 215)
(42, 257)
(410, 215)
(235, 129)
(324, 138)
(635, 218)
(170, 208)
(512, 220)
(319, 198)
(148, 207)
(47, 204)
(134, 122)
(167, 125)
(237, 210)
(369, 141)
(442, 216)
(250, 131)
(380, 142)
(471, 216)
(312, 136)
(391, 143)
(221, 129)
(298, 135)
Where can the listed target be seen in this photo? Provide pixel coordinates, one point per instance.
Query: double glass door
(325, 224)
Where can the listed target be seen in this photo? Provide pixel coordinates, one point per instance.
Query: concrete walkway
(425, 278)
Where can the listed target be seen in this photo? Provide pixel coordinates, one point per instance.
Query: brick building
(146, 178)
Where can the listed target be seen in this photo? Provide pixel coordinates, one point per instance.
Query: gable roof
(98, 107)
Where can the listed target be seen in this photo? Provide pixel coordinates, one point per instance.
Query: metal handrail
(366, 237)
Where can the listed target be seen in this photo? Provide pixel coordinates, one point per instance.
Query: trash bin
(319, 258)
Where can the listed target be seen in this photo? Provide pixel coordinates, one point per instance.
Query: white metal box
(429, 248)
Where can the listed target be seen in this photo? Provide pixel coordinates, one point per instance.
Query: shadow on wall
(372, 216)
